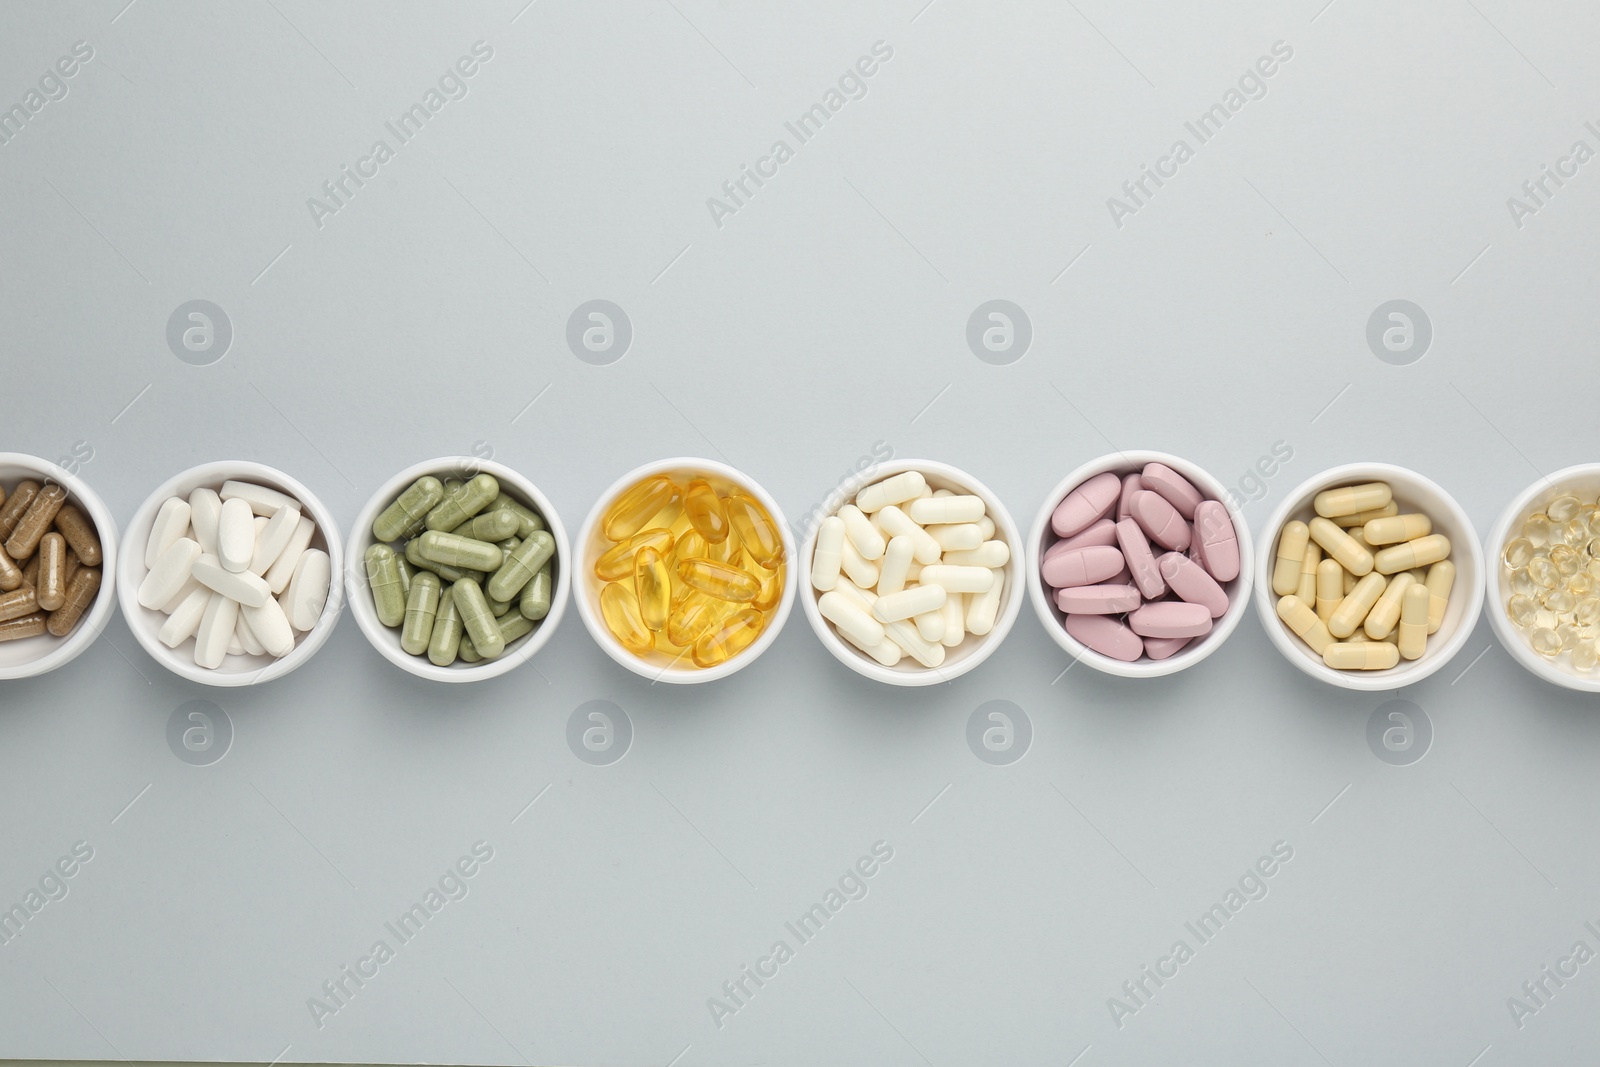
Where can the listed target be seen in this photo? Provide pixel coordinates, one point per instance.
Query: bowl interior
(1238, 590)
(28, 655)
(146, 623)
(1412, 493)
(386, 639)
(973, 649)
(593, 542)
(1582, 482)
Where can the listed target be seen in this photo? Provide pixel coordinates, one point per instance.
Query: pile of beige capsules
(49, 564)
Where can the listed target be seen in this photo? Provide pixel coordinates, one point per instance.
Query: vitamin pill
(477, 619)
(454, 550)
(616, 563)
(492, 525)
(170, 573)
(1170, 618)
(407, 513)
(894, 490)
(652, 587)
(383, 578)
(728, 637)
(22, 626)
(465, 650)
(758, 536)
(867, 538)
(1159, 648)
(477, 493)
(444, 642)
(36, 521)
(52, 571)
(925, 549)
(1299, 617)
(856, 567)
(1351, 499)
(11, 576)
(1191, 583)
(1098, 599)
(693, 616)
(1441, 577)
(1107, 635)
(1160, 521)
(1099, 532)
(519, 567)
(244, 641)
(1354, 607)
(1414, 621)
(307, 592)
(1396, 528)
(957, 579)
(1090, 501)
(273, 538)
(1218, 539)
(954, 614)
(1140, 560)
(283, 567)
(1350, 553)
(1418, 553)
(217, 626)
(270, 626)
(989, 555)
(634, 509)
(1173, 487)
(721, 580)
(512, 626)
(907, 603)
(262, 500)
(1361, 655)
(896, 564)
(850, 618)
(205, 512)
(946, 509)
(828, 553)
(1131, 484)
(1082, 566)
(1330, 588)
(183, 621)
(528, 521)
(1307, 589)
(705, 511)
(1385, 614)
(1291, 550)
(620, 609)
(15, 504)
(19, 602)
(236, 534)
(171, 523)
(903, 633)
(984, 608)
(246, 588)
(957, 537)
(422, 606)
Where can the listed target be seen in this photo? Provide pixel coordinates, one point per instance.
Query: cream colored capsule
(1414, 621)
(1307, 588)
(1361, 518)
(1298, 616)
(1291, 550)
(1351, 499)
(1418, 553)
(1393, 529)
(1353, 608)
(1341, 546)
(1441, 576)
(1385, 613)
(1361, 655)
(1349, 581)
(1330, 588)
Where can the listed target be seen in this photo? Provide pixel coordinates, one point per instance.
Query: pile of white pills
(234, 570)
(909, 570)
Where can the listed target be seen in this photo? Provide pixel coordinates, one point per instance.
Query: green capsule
(467, 652)
(499, 607)
(407, 572)
(383, 575)
(513, 626)
(453, 550)
(519, 568)
(445, 572)
(508, 544)
(535, 603)
(528, 520)
(452, 484)
(445, 644)
(409, 510)
(461, 505)
(477, 618)
(494, 524)
(421, 607)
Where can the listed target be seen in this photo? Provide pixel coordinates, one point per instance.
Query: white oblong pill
(930, 624)
(885, 652)
(236, 535)
(246, 638)
(308, 589)
(895, 566)
(273, 539)
(897, 522)
(262, 501)
(990, 554)
(177, 598)
(282, 568)
(904, 633)
(867, 538)
(270, 626)
(171, 523)
(895, 490)
(959, 579)
(184, 622)
(983, 608)
(246, 588)
(946, 509)
(169, 573)
(856, 568)
(907, 603)
(205, 508)
(960, 537)
(955, 619)
(847, 616)
(828, 555)
(216, 631)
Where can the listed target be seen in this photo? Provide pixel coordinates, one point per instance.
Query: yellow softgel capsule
(620, 610)
(704, 510)
(758, 535)
(652, 586)
(693, 616)
(771, 586)
(616, 563)
(729, 637)
(638, 505)
(720, 580)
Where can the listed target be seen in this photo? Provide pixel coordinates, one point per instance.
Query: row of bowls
(1413, 491)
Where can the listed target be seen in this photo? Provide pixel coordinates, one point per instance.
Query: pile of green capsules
(461, 568)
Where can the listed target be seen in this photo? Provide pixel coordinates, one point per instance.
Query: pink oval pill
(1160, 520)
(1131, 484)
(1107, 635)
(1214, 531)
(1173, 487)
(1141, 561)
(1090, 501)
(1081, 566)
(1171, 618)
(1190, 581)
(1098, 599)
(1100, 532)
(1164, 647)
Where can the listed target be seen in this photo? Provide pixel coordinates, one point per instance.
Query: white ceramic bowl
(146, 622)
(1042, 537)
(974, 649)
(386, 639)
(43, 654)
(1412, 492)
(1582, 481)
(659, 667)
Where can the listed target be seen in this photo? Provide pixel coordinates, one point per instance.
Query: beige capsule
(1396, 528)
(1418, 553)
(80, 594)
(35, 522)
(1341, 546)
(1441, 576)
(1291, 550)
(1352, 499)
(1353, 609)
(1380, 621)
(18, 602)
(80, 534)
(1414, 621)
(11, 576)
(1361, 518)
(1361, 655)
(1298, 616)
(22, 626)
(52, 571)
(1330, 588)
(1307, 588)
(16, 504)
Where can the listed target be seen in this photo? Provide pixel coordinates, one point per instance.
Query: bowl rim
(589, 608)
(214, 473)
(1405, 673)
(1238, 597)
(1011, 603)
(98, 617)
(382, 638)
(1494, 543)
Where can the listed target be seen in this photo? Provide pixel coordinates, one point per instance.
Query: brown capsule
(72, 565)
(20, 498)
(22, 626)
(52, 587)
(35, 522)
(80, 534)
(11, 576)
(80, 594)
(30, 573)
(20, 602)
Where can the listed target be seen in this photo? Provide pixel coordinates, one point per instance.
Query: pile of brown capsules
(49, 561)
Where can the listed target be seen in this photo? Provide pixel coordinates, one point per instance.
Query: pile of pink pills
(1141, 564)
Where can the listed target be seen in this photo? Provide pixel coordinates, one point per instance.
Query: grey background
(429, 316)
